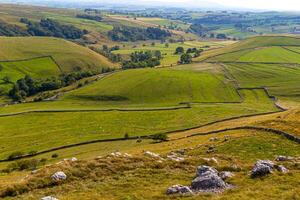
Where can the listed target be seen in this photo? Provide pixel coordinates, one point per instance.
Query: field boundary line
(33, 58)
(270, 130)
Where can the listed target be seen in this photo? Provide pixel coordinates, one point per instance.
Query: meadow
(38, 68)
(281, 80)
(149, 104)
(67, 55)
(256, 43)
(168, 52)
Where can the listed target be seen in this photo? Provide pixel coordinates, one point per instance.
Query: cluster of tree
(28, 86)
(107, 52)
(143, 59)
(194, 51)
(186, 58)
(11, 30)
(49, 27)
(90, 17)
(126, 33)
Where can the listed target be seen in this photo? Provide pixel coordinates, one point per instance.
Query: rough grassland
(67, 54)
(39, 68)
(116, 178)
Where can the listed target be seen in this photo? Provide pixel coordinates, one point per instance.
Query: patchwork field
(262, 46)
(39, 68)
(169, 58)
(68, 55)
(196, 106)
(281, 80)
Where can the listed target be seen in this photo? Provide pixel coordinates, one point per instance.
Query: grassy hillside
(101, 176)
(281, 80)
(267, 54)
(39, 68)
(68, 55)
(254, 44)
(158, 86)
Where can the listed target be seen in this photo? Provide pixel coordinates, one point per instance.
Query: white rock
(153, 155)
(226, 175)
(284, 158)
(59, 176)
(49, 198)
(282, 169)
(179, 189)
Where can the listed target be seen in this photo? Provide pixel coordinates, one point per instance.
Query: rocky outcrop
(282, 169)
(179, 189)
(49, 198)
(284, 158)
(207, 179)
(262, 168)
(59, 176)
(226, 175)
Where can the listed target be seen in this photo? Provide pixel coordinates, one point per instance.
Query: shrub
(23, 165)
(126, 136)
(159, 137)
(55, 155)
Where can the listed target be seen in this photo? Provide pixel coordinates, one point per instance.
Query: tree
(185, 58)
(159, 137)
(6, 79)
(157, 54)
(179, 50)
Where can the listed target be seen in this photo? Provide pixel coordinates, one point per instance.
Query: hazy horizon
(275, 5)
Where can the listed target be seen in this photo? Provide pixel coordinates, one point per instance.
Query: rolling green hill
(68, 55)
(158, 86)
(257, 49)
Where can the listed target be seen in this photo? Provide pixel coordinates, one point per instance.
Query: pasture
(38, 68)
(68, 55)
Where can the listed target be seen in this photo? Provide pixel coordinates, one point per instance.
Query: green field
(84, 116)
(38, 68)
(267, 48)
(281, 80)
(68, 55)
(267, 54)
(169, 58)
(158, 86)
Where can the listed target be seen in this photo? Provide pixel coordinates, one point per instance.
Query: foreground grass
(140, 177)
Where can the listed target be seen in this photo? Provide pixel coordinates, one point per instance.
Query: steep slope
(68, 55)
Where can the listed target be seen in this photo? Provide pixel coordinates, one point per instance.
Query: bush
(55, 155)
(23, 165)
(126, 136)
(160, 137)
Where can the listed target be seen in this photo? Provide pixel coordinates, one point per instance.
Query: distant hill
(68, 55)
(277, 49)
